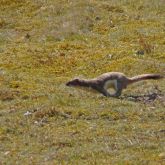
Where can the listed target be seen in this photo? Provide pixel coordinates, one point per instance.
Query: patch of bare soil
(147, 98)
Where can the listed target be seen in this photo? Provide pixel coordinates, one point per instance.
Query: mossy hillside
(43, 44)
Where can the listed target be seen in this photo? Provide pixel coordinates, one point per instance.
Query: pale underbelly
(111, 84)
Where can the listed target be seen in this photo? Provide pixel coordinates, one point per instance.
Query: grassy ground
(43, 44)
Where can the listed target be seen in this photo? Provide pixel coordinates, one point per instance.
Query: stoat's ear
(75, 79)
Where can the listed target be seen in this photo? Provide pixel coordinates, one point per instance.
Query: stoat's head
(74, 82)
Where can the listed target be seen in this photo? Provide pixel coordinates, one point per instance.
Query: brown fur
(145, 77)
(116, 80)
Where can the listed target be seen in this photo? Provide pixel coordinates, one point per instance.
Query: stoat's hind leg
(118, 89)
(102, 90)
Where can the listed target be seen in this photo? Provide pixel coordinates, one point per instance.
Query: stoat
(115, 80)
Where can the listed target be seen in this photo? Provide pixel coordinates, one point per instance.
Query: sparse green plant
(44, 44)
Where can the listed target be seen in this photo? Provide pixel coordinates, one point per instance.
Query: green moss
(44, 44)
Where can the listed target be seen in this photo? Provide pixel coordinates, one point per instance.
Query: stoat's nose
(67, 84)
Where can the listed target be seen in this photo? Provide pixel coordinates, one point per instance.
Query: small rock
(109, 56)
(27, 113)
(36, 122)
(7, 153)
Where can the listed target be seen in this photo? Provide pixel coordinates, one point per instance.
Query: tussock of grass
(8, 95)
(43, 44)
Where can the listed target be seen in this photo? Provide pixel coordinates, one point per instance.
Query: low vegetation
(43, 44)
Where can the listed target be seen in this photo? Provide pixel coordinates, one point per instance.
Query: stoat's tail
(145, 77)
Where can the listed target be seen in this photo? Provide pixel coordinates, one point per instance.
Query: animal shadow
(147, 98)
